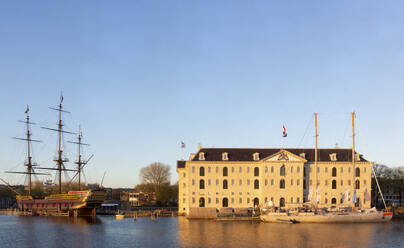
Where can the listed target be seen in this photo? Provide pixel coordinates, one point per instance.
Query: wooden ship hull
(367, 217)
(74, 203)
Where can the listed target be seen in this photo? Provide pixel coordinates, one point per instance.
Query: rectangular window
(209, 200)
(183, 200)
(326, 182)
(240, 200)
(232, 181)
(184, 175)
(364, 182)
(291, 169)
(342, 170)
(349, 182)
(291, 182)
(193, 181)
(266, 182)
(241, 182)
(208, 181)
(240, 169)
(232, 200)
(364, 169)
(318, 169)
(248, 200)
(248, 181)
(193, 200)
(291, 199)
(298, 200)
(208, 169)
(272, 181)
(272, 199)
(298, 182)
(272, 169)
(184, 185)
(248, 169)
(232, 169)
(193, 169)
(298, 170)
(217, 182)
(342, 182)
(326, 169)
(266, 169)
(349, 170)
(217, 200)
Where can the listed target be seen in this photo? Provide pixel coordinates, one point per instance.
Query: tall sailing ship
(78, 202)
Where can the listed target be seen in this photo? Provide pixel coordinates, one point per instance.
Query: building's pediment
(284, 156)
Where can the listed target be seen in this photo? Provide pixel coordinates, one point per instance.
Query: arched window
(357, 184)
(225, 172)
(201, 171)
(282, 171)
(256, 201)
(256, 171)
(225, 184)
(225, 202)
(357, 172)
(201, 184)
(282, 202)
(201, 202)
(256, 184)
(334, 184)
(333, 201)
(334, 172)
(282, 184)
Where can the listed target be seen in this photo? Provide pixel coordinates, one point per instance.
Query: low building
(138, 199)
(286, 178)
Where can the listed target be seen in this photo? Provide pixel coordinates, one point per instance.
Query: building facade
(287, 178)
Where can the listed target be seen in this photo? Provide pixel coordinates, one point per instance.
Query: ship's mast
(30, 170)
(315, 153)
(353, 154)
(59, 160)
(80, 163)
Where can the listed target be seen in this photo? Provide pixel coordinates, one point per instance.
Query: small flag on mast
(284, 133)
(61, 98)
(182, 144)
(27, 109)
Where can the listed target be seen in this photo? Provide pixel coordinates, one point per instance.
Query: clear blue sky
(140, 76)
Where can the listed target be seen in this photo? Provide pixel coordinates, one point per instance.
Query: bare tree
(156, 175)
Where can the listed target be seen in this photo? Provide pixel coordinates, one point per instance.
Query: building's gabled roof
(246, 154)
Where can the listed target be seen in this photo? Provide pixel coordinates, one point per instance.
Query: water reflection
(196, 233)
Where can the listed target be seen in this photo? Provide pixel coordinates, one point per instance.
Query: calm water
(179, 232)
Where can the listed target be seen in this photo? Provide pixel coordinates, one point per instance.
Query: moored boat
(78, 202)
(365, 216)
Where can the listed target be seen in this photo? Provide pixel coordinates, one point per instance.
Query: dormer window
(201, 156)
(357, 157)
(225, 156)
(302, 155)
(256, 156)
(333, 156)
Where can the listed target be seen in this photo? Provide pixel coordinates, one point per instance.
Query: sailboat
(78, 202)
(353, 215)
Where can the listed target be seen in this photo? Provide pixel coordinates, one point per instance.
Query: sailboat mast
(353, 153)
(315, 154)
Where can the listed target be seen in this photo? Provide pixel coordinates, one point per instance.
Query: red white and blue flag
(284, 133)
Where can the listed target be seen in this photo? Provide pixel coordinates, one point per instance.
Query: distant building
(248, 177)
(137, 199)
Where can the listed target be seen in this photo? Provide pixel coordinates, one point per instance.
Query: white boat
(364, 216)
(314, 215)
